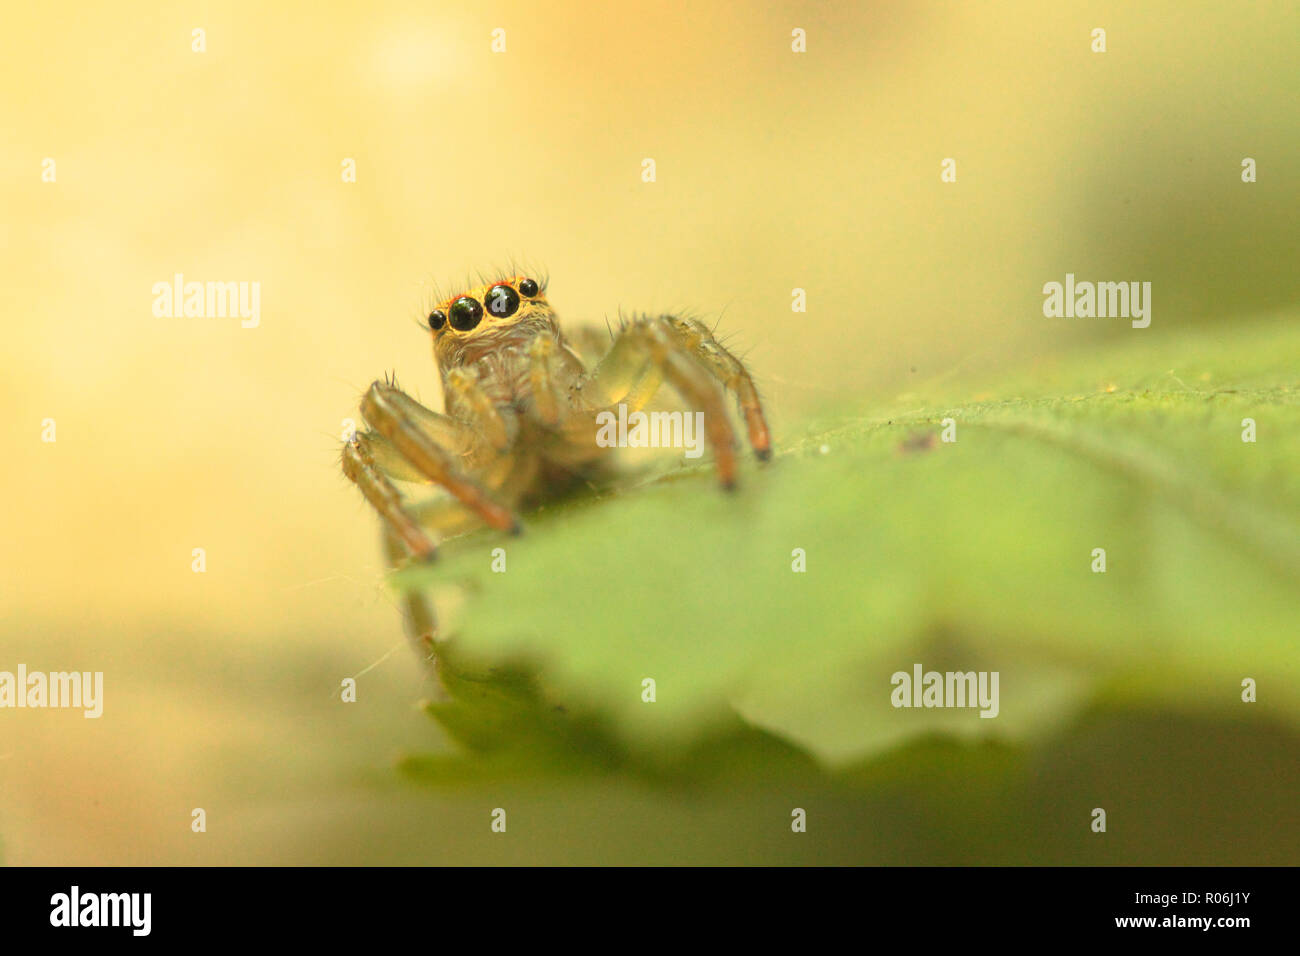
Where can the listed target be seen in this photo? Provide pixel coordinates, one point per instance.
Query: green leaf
(970, 555)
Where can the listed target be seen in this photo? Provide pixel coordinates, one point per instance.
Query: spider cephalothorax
(521, 414)
(493, 317)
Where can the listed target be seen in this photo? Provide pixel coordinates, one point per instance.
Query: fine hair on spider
(522, 402)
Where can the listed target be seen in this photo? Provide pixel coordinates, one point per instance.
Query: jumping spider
(520, 422)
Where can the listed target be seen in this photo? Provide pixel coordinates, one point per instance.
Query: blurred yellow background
(775, 171)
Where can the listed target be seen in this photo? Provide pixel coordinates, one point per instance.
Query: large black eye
(528, 287)
(437, 319)
(465, 314)
(501, 301)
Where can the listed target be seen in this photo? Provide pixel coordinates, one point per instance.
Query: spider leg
(387, 410)
(421, 624)
(379, 451)
(620, 370)
(541, 377)
(464, 392)
(642, 353)
(445, 517)
(696, 339)
(589, 342)
(444, 429)
(360, 467)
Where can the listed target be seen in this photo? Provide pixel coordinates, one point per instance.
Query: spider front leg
(462, 387)
(548, 364)
(649, 350)
(392, 414)
(360, 467)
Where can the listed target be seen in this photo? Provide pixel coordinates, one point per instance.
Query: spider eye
(528, 287)
(437, 319)
(502, 301)
(465, 314)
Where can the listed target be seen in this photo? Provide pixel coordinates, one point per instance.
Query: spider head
(496, 315)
